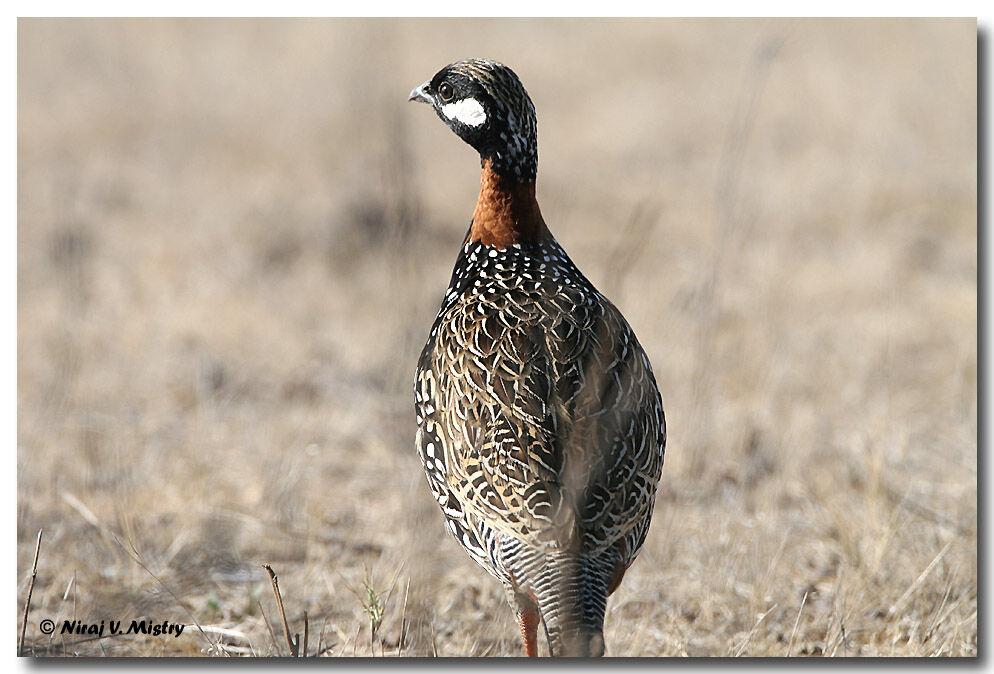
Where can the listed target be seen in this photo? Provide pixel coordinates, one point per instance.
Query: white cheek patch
(469, 111)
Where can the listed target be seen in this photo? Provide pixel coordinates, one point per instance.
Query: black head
(484, 102)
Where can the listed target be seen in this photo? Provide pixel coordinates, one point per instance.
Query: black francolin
(540, 425)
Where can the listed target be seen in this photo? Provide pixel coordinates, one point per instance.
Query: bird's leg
(528, 622)
(526, 613)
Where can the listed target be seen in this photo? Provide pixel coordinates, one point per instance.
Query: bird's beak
(420, 93)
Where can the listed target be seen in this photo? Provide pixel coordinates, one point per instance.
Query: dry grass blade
(27, 602)
(748, 637)
(303, 646)
(269, 627)
(797, 621)
(899, 604)
(294, 642)
(225, 632)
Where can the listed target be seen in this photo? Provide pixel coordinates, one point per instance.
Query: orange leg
(528, 622)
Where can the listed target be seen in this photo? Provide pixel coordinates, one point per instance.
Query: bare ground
(233, 237)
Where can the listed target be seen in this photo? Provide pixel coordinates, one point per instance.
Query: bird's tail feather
(571, 591)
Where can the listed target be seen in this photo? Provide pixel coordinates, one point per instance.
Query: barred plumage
(540, 426)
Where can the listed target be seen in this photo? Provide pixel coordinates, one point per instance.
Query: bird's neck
(506, 211)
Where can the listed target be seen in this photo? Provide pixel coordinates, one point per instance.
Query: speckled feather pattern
(539, 422)
(540, 426)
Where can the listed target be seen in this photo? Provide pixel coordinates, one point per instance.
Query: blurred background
(233, 236)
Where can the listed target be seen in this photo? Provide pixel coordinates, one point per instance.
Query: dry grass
(233, 237)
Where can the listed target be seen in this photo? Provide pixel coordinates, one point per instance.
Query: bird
(539, 422)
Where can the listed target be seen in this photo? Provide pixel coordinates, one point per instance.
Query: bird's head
(485, 104)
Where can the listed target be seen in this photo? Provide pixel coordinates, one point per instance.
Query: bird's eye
(445, 91)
